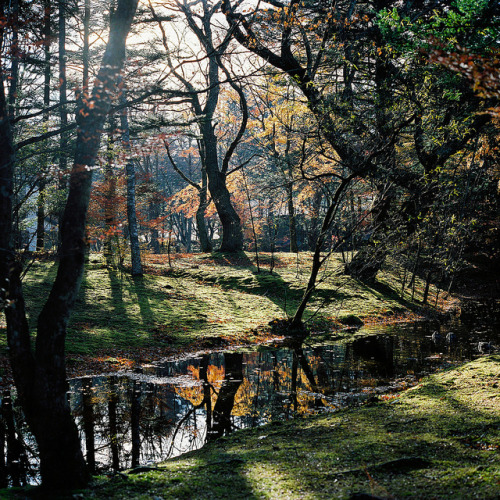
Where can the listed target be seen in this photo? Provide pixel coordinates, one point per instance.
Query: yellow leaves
(194, 393)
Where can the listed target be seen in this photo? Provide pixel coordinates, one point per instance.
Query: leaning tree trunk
(232, 235)
(296, 326)
(40, 377)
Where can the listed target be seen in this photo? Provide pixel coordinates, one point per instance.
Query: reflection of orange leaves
(194, 394)
(244, 399)
(215, 375)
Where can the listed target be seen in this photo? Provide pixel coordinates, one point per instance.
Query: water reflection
(167, 409)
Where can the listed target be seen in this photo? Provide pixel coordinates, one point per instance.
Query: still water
(172, 407)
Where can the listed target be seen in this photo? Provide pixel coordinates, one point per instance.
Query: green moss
(201, 297)
(350, 320)
(434, 441)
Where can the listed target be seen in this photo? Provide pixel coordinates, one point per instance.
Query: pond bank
(207, 301)
(438, 440)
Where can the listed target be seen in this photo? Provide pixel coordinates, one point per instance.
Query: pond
(169, 408)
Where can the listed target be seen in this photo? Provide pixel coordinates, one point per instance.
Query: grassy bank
(439, 440)
(204, 300)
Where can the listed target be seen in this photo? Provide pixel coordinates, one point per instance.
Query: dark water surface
(172, 407)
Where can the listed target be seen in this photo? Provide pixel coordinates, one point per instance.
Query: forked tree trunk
(40, 377)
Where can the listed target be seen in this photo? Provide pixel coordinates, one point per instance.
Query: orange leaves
(483, 71)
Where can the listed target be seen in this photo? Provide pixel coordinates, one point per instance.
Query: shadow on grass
(142, 293)
(383, 290)
(117, 311)
(36, 288)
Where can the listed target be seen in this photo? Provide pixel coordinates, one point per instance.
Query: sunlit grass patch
(199, 297)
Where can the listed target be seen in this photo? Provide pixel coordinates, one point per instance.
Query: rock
(351, 320)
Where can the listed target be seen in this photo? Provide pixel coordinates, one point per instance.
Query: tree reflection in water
(133, 419)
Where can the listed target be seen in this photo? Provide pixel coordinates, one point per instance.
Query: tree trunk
(40, 214)
(292, 224)
(86, 45)
(296, 325)
(14, 69)
(133, 230)
(110, 195)
(313, 233)
(205, 243)
(40, 378)
(232, 235)
(154, 213)
(63, 110)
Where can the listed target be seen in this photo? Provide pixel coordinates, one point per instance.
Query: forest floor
(190, 302)
(440, 439)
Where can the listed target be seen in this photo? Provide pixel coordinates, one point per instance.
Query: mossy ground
(439, 440)
(203, 301)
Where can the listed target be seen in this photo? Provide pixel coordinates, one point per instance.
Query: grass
(439, 440)
(203, 300)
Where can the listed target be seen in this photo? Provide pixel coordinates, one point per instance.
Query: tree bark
(63, 110)
(40, 215)
(133, 230)
(110, 194)
(205, 243)
(232, 235)
(292, 223)
(40, 377)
